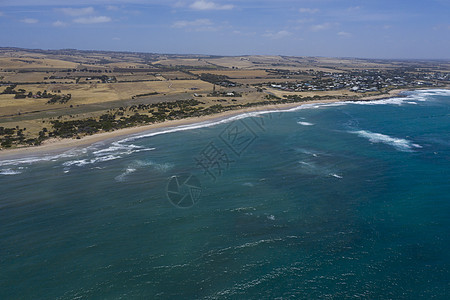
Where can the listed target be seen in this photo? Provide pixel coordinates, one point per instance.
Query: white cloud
(319, 27)
(1, 14)
(206, 5)
(308, 10)
(29, 21)
(93, 20)
(59, 24)
(112, 7)
(76, 12)
(277, 35)
(116, 39)
(195, 23)
(344, 34)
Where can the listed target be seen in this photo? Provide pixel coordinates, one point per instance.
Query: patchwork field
(20, 62)
(237, 74)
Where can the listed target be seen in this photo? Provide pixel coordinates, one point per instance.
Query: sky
(406, 29)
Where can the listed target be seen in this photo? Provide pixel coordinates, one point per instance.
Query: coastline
(61, 145)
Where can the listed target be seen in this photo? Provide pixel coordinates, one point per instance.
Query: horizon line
(221, 55)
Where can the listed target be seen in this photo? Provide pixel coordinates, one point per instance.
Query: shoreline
(60, 145)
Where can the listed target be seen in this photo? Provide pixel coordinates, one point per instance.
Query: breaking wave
(10, 171)
(305, 123)
(138, 164)
(398, 143)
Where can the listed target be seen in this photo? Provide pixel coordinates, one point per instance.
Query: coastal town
(360, 81)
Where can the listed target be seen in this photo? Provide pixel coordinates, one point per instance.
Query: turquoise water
(324, 201)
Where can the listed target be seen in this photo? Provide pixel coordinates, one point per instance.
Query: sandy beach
(60, 145)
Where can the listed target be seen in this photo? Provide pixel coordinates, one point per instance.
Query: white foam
(34, 159)
(417, 95)
(84, 162)
(392, 101)
(243, 209)
(120, 148)
(434, 92)
(122, 176)
(115, 151)
(305, 106)
(310, 167)
(397, 143)
(9, 172)
(198, 125)
(308, 152)
(340, 103)
(305, 123)
(257, 243)
(336, 175)
(135, 165)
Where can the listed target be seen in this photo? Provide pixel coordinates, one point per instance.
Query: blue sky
(336, 28)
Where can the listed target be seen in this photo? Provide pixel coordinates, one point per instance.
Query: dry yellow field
(249, 62)
(126, 90)
(10, 106)
(135, 77)
(183, 62)
(24, 77)
(96, 93)
(229, 62)
(236, 73)
(27, 62)
(177, 75)
(127, 65)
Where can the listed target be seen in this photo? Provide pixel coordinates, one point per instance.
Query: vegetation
(143, 95)
(22, 94)
(221, 80)
(16, 136)
(10, 89)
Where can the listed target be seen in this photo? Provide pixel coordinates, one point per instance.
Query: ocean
(341, 200)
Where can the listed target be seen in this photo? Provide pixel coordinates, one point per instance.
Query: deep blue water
(349, 200)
